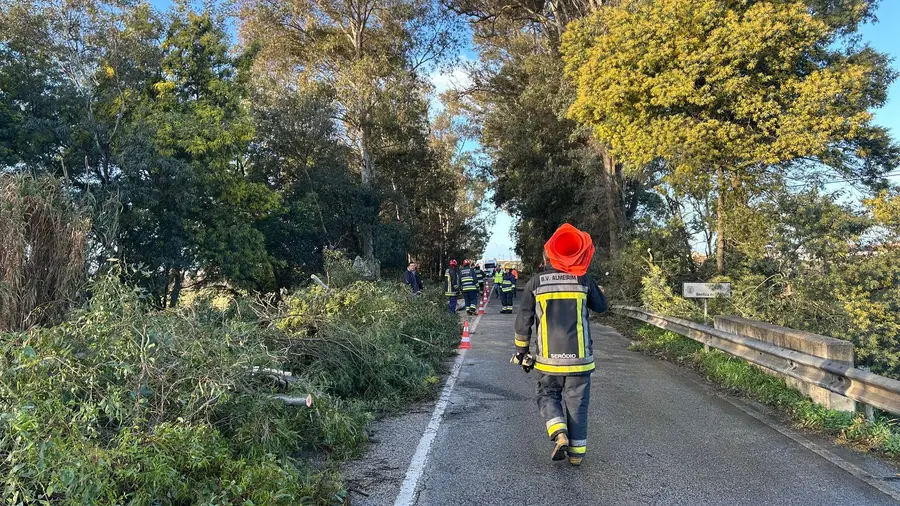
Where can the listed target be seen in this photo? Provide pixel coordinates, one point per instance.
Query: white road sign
(706, 290)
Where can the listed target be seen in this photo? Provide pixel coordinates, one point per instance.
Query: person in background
(451, 285)
(479, 276)
(411, 278)
(515, 274)
(498, 281)
(507, 288)
(469, 285)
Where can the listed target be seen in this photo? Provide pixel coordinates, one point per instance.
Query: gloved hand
(528, 363)
(523, 359)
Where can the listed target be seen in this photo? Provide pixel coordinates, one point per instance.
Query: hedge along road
(658, 435)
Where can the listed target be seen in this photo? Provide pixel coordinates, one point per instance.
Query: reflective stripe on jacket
(557, 304)
(509, 282)
(479, 276)
(451, 282)
(467, 279)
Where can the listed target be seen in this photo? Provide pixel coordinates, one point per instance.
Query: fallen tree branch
(295, 401)
(319, 282)
(283, 377)
(419, 340)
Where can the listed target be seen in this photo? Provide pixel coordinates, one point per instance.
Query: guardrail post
(868, 409)
(705, 321)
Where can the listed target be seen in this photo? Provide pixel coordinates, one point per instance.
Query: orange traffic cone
(465, 344)
(481, 308)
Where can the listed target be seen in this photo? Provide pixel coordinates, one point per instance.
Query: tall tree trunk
(368, 177)
(720, 223)
(612, 201)
(707, 230)
(177, 283)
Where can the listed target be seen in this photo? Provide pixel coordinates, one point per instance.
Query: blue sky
(881, 35)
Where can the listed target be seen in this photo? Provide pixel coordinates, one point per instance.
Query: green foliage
(125, 405)
(370, 341)
(657, 295)
(703, 84)
(297, 155)
(543, 170)
(371, 59)
(190, 133)
(805, 262)
(215, 165)
(738, 376)
(735, 98)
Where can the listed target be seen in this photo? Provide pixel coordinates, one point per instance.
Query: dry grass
(42, 245)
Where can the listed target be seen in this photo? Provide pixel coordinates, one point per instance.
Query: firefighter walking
(507, 290)
(468, 281)
(451, 285)
(556, 302)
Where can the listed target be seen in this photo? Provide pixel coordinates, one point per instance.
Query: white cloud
(456, 79)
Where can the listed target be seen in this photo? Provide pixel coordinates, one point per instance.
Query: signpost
(706, 291)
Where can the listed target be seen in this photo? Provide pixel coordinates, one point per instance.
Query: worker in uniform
(451, 285)
(556, 302)
(515, 274)
(498, 281)
(479, 277)
(507, 289)
(469, 285)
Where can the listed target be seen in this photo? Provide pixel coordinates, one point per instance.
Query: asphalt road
(658, 435)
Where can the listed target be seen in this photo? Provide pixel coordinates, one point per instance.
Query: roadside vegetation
(736, 376)
(125, 404)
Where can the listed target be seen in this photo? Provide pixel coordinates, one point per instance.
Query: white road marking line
(407, 493)
(420, 458)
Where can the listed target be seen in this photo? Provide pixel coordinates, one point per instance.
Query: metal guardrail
(857, 384)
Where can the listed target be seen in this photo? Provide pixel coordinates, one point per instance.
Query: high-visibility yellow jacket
(558, 302)
(498, 276)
